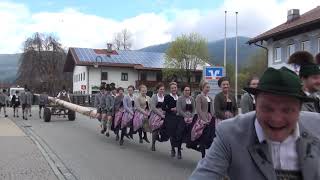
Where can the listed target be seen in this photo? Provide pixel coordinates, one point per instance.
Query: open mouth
(276, 128)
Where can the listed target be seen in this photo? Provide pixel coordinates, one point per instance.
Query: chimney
(293, 14)
(109, 47)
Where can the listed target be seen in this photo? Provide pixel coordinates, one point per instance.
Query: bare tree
(41, 64)
(122, 40)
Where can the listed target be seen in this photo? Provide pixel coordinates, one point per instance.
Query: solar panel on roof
(147, 59)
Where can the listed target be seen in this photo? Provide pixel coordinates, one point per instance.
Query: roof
(116, 58)
(306, 22)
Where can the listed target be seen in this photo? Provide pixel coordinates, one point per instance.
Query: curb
(56, 164)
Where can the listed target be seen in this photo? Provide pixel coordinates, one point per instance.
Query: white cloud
(77, 29)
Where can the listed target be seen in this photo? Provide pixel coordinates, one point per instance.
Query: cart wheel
(71, 115)
(47, 115)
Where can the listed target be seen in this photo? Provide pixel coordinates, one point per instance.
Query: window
(277, 54)
(198, 78)
(290, 50)
(305, 46)
(159, 76)
(104, 75)
(124, 76)
(84, 76)
(143, 76)
(81, 77)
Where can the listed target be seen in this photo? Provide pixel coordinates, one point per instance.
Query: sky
(94, 23)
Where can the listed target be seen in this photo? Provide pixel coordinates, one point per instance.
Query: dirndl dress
(141, 121)
(155, 120)
(201, 133)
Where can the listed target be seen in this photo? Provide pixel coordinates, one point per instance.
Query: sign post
(212, 74)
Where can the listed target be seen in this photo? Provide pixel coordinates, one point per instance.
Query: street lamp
(96, 65)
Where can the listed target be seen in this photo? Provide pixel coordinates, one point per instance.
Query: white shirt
(284, 154)
(174, 97)
(160, 98)
(188, 100)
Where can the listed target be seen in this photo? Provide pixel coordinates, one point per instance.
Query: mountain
(9, 67)
(216, 50)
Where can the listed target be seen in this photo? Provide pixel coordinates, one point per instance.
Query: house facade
(298, 33)
(91, 67)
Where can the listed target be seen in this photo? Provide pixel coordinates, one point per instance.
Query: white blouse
(174, 97)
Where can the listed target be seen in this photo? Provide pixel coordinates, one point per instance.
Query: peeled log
(74, 107)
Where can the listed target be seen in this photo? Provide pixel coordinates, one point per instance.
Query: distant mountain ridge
(9, 63)
(216, 50)
(9, 67)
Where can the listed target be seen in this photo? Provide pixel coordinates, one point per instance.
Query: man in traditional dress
(277, 141)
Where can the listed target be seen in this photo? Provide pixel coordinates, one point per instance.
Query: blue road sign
(213, 73)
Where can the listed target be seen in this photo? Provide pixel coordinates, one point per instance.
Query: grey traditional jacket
(140, 103)
(220, 104)
(29, 97)
(312, 106)
(246, 103)
(3, 98)
(153, 104)
(23, 98)
(110, 103)
(103, 99)
(237, 153)
(117, 103)
(181, 107)
(202, 107)
(97, 99)
(43, 99)
(127, 104)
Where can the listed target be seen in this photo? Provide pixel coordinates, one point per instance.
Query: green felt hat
(308, 70)
(283, 82)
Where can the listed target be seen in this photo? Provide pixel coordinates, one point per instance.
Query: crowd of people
(280, 139)
(168, 117)
(24, 100)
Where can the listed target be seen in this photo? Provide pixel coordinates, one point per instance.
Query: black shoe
(121, 142)
(40, 117)
(146, 139)
(30, 115)
(103, 131)
(22, 117)
(153, 148)
(173, 153)
(26, 119)
(17, 116)
(5, 115)
(141, 141)
(128, 136)
(179, 154)
(117, 138)
(107, 134)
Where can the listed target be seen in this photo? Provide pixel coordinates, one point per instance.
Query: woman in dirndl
(118, 112)
(171, 121)
(185, 111)
(157, 115)
(126, 122)
(141, 115)
(203, 127)
(225, 104)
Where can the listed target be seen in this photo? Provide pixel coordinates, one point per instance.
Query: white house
(298, 33)
(91, 67)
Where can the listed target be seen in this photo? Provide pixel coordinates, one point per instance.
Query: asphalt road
(91, 156)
